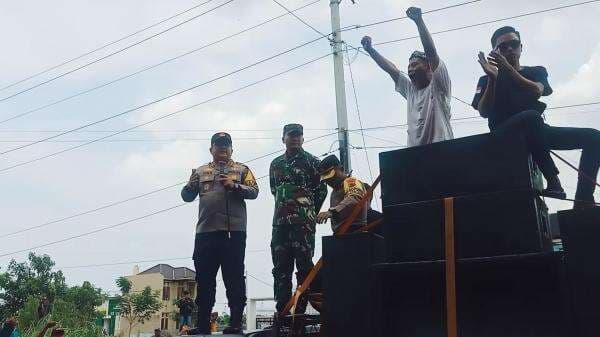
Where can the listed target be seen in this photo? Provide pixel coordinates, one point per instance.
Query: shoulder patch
(351, 182)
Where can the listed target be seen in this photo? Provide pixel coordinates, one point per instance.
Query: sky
(43, 34)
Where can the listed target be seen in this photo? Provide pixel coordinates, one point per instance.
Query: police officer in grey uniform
(222, 186)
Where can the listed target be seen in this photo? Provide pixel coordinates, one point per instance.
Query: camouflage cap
(293, 128)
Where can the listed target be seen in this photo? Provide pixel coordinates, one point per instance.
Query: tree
(137, 308)
(86, 298)
(34, 278)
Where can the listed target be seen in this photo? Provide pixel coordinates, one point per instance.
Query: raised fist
(367, 42)
(414, 13)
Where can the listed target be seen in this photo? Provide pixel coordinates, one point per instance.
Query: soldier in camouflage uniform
(299, 195)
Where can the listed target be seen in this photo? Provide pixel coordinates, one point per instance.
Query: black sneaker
(230, 330)
(581, 205)
(556, 193)
(199, 331)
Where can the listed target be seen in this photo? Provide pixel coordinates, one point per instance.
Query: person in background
(186, 308)
(508, 96)
(9, 327)
(346, 195)
(157, 333)
(44, 307)
(427, 88)
(214, 324)
(222, 186)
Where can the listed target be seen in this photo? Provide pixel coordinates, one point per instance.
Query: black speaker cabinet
(580, 231)
(350, 307)
(485, 225)
(469, 165)
(509, 296)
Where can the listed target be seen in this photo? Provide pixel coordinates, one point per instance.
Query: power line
(112, 204)
(383, 139)
(166, 130)
(162, 98)
(300, 19)
(138, 140)
(259, 280)
(349, 64)
(378, 147)
(166, 115)
(48, 223)
(97, 230)
(491, 21)
(352, 27)
(104, 46)
(154, 65)
(396, 126)
(572, 105)
(144, 261)
(138, 218)
(114, 53)
(326, 36)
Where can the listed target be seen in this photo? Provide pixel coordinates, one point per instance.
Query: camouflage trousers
(290, 244)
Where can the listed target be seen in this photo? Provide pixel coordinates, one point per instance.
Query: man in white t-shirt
(427, 87)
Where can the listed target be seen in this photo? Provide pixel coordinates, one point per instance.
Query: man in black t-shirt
(508, 96)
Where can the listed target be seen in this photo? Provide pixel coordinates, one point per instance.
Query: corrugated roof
(171, 273)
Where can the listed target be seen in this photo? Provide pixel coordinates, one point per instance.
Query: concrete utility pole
(340, 86)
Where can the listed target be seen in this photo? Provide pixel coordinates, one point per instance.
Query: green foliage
(223, 320)
(32, 278)
(22, 286)
(137, 307)
(124, 285)
(87, 330)
(28, 313)
(85, 299)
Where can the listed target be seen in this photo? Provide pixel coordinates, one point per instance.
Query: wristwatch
(333, 211)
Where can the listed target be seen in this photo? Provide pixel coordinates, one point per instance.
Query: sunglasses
(514, 44)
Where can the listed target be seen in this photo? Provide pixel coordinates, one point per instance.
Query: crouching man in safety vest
(347, 193)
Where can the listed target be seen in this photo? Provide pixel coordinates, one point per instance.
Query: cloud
(583, 85)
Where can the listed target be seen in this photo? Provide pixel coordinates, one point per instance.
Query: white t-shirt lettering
(428, 109)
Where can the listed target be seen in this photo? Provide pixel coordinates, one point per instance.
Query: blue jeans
(185, 320)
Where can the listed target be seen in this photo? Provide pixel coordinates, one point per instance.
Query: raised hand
(367, 42)
(489, 66)
(414, 13)
(500, 61)
(194, 178)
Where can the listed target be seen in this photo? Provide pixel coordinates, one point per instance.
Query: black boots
(203, 327)
(235, 321)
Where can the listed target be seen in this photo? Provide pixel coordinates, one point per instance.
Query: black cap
(293, 128)
(327, 165)
(221, 138)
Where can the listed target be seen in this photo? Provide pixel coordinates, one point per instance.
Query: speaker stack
(580, 232)
(350, 307)
(508, 280)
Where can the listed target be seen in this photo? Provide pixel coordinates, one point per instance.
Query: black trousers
(213, 250)
(542, 138)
